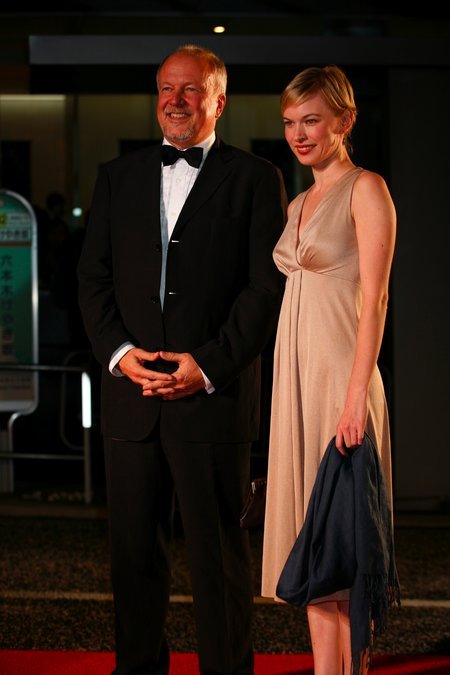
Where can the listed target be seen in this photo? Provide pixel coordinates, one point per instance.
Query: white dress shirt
(177, 181)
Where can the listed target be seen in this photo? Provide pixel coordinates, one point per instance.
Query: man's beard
(181, 136)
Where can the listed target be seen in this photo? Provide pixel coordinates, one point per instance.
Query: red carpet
(101, 663)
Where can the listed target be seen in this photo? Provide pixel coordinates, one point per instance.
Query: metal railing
(86, 420)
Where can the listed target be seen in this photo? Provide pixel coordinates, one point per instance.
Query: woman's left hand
(351, 426)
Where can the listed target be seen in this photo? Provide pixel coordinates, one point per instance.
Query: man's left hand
(188, 378)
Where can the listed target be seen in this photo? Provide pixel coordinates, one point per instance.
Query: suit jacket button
(155, 299)
(158, 248)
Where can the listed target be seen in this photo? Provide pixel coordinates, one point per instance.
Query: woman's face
(314, 132)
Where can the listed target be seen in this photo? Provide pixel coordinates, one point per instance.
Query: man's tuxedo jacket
(222, 295)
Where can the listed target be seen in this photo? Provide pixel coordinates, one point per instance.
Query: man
(179, 296)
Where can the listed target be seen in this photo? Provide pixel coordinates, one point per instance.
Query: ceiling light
(219, 29)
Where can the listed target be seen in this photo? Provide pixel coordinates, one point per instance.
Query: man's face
(188, 103)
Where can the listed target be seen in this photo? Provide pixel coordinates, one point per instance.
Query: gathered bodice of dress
(327, 243)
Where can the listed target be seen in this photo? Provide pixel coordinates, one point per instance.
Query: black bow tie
(170, 154)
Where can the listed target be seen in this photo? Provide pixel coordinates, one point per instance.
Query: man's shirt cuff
(117, 355)
(210, 388)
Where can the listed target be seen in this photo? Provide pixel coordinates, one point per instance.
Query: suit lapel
(148, 186)
(217, 166)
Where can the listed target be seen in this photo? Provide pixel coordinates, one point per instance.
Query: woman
(336, 252)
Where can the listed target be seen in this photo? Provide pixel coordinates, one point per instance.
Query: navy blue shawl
(347, 542)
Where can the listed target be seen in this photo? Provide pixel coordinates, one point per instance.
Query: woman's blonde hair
(332, 83)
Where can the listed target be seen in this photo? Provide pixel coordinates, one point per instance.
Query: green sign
(18, 301)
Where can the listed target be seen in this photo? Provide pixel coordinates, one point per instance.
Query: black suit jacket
(222, 288)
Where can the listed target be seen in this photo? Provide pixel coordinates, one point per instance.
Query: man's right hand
(132, 365)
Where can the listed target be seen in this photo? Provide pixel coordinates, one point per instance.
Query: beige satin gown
(314, 354)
